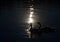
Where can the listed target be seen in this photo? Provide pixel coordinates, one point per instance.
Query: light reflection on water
(29, 34)
(31, 20)
(27, 30)
(41, 35)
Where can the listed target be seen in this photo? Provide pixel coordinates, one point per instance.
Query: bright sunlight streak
(30, 20)
(31, 12)
(31, 8)
(30, 15)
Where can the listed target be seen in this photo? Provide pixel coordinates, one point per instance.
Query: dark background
(14, 14)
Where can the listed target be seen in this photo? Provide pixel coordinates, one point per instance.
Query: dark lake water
(14, 17)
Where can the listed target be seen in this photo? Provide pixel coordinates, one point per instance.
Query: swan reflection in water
(32, 32)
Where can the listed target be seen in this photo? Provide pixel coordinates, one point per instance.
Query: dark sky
(14, 14)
